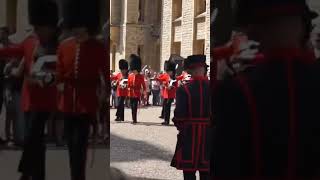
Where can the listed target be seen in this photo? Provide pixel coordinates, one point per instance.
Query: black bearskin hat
(43, 13)
(255, 11)
(195, 61)
(135, 62)
(123, 64)
(83, 13)
(170, 66)
(165, 65)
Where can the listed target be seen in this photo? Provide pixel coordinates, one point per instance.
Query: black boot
(117, 119)
(165, 123)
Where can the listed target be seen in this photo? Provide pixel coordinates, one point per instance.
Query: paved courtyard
(144, 150)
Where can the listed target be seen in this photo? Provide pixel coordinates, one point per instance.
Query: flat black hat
(135, 62)
(43, 13)
(195, 61)
(255, 11)
(123, 64)
(82, 13)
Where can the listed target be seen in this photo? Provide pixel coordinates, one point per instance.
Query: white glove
(248, 51)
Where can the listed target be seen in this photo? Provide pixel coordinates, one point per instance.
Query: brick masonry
(133, 34)
(188, 32)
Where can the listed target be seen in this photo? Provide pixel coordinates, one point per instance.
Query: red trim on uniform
(292, 141)
(256, 134)
(189, 101)
(201, 99)
(198, 144)
(193, 144)
(203, 147)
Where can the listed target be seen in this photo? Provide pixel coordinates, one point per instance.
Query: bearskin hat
(123, 64)
(252, 11)
(170, 66)
(195, 61)
(165, 65)
(43, 13)
(135, 62)
(83, 13)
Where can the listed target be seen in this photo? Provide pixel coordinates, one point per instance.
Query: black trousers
(155, 97)
(120, 108)
(134, 108)
(164, 102)
(192, 175)
(32, 162)
(167, 109)
(77, 133)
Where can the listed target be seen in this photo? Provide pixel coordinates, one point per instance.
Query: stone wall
(189, 30)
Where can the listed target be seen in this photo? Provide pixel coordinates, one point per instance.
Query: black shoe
(161, 117)
(2, 142)
(117, 119)
(134, 122)
(165, 123)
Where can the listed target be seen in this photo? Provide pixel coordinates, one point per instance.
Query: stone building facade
(185, 28)
(135, 29)
(156, 29)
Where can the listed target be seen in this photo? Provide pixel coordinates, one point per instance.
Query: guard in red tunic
(136, 85)
(170, 85)
(38, 98)
(192, 119)
(161, 76)
(81, 69)
(122, 88)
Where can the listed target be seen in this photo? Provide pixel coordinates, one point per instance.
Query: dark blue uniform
(191, 117)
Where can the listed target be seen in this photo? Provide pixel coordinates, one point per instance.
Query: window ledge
(178, 19)
(201, 15)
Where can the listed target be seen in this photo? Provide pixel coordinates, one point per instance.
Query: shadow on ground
(126, 150)
(116, 174)
(144, 123)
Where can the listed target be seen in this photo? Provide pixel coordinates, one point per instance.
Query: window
(159, 12)
(176, 48)
(176, 9)
(141, 10)
(198, 47)
(200, 7)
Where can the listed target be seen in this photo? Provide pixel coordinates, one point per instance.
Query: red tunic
(135, 85)
(121, 92)
(167, 92)
(182, 76)
(34, 97)
(80, 93)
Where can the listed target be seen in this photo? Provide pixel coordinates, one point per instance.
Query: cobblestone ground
(144, 150)
(57, 165)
